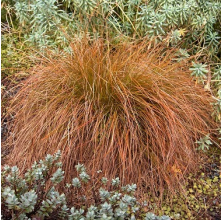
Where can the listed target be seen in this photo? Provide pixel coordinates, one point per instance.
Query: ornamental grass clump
(131, 111)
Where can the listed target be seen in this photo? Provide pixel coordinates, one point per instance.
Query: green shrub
(194, 22)
(28, 196)
(204, 143)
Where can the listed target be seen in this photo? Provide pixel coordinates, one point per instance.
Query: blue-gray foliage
(24, 197)
(195, 22)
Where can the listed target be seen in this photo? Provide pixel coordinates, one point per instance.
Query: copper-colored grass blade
(132, 112)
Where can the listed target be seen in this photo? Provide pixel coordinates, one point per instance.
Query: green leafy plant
(175, 37)
(47, 20)
(204, 143)
(25, 197)
(199, 71)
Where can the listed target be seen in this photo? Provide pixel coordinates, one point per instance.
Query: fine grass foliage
(129, 110)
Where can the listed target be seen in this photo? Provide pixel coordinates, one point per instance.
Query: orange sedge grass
(130, 111)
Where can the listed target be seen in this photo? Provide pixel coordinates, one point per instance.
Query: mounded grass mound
(130, 111)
